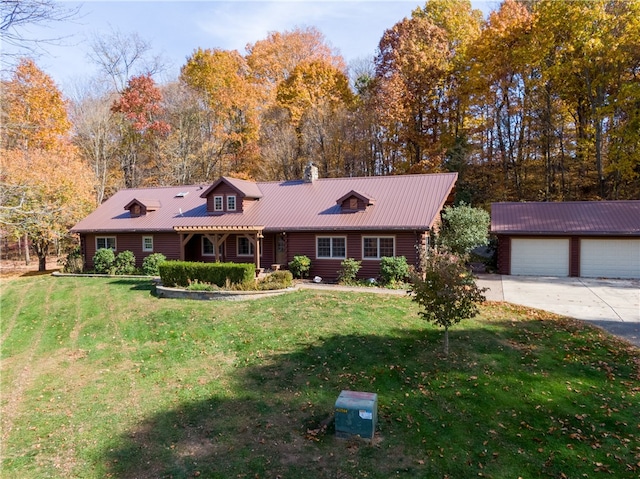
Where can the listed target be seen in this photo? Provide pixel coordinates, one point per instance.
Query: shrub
(393, 269)
(150, 264)
(197, 286)
(103, 261)
(300, 266)
(276, 280)
(182, 273)
(125, 263)
(74, 262)
(464, 228)
(349, 271)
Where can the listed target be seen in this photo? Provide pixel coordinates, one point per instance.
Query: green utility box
(356, 414)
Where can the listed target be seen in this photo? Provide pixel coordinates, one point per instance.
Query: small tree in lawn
(446, 290)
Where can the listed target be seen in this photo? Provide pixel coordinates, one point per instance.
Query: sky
(174, 29)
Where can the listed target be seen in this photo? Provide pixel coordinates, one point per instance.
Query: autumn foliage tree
(446, 290)
(229, 110)
(46, 187)
(140, 107)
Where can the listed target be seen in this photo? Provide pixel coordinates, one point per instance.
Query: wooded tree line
(540, 101)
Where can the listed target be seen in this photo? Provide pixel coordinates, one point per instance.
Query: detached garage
(580, 238)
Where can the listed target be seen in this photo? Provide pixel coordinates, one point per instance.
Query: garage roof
(592, 218)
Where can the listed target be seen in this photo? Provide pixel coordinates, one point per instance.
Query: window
(147, 243)
(231, 203)
(135, 210)
(331, 247)
(106, 242)
(217, 203)
(207, 247)
(378, 247)
(245, 247)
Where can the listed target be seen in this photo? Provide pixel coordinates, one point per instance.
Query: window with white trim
(218, 204)
(376, 247)
(245, 246)
(331, 247)
(208, 248)
(104, 242)
(231, 203)
(147, 243)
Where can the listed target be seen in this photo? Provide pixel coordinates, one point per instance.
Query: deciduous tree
(446, 290)
(34, 113)
(230, 109)
(140, 107)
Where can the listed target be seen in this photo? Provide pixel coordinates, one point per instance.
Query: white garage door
(610, 258)
(540, 257)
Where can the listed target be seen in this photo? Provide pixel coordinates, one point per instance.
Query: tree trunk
(446, 341)
(42, 263)
(27, 259)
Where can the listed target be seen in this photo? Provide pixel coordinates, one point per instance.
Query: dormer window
(354, 201)
(140, 207)
(231, 195)
(218, 203)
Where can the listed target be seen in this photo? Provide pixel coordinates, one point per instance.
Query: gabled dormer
(230, 195)
(140, 207)
(355, 201)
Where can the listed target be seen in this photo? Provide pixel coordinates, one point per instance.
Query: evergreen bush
(394, 269)
(125, 263)
(150, 264)
(349, 271)
(103, 261)
(300, 266)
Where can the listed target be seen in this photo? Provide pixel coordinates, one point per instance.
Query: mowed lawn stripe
(131, 386)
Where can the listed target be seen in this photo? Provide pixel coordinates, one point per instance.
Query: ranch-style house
(268, 223)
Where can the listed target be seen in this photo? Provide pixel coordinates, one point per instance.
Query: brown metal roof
(410, 202)
(571, 217)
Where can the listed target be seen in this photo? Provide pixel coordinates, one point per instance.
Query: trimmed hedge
(182, 273)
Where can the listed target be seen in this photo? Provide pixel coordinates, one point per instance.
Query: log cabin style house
(268, 223)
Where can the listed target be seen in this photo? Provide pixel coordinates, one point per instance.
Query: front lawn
(102, 379)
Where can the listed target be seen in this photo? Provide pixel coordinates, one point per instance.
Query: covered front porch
(217, 237)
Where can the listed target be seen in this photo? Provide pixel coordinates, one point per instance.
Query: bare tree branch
(17, 15)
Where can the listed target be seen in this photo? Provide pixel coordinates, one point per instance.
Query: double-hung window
(103, 242)
(208, 248)
(231, 203)
(218, 204)
(147, 243)
(245, 247)
(331, 247)
(376, 247)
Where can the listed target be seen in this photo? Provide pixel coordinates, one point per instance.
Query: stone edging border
(179, 293)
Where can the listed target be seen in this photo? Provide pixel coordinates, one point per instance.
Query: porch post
(257, 249)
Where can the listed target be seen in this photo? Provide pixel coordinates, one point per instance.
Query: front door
(281, 249)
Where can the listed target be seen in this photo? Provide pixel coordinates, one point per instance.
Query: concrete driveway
(614, 305)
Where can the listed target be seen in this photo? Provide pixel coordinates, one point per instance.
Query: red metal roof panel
(570, 217)
(410, 202)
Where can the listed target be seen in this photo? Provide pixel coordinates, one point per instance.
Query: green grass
(102, 379)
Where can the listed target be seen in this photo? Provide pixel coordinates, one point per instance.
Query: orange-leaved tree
(44, 186)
